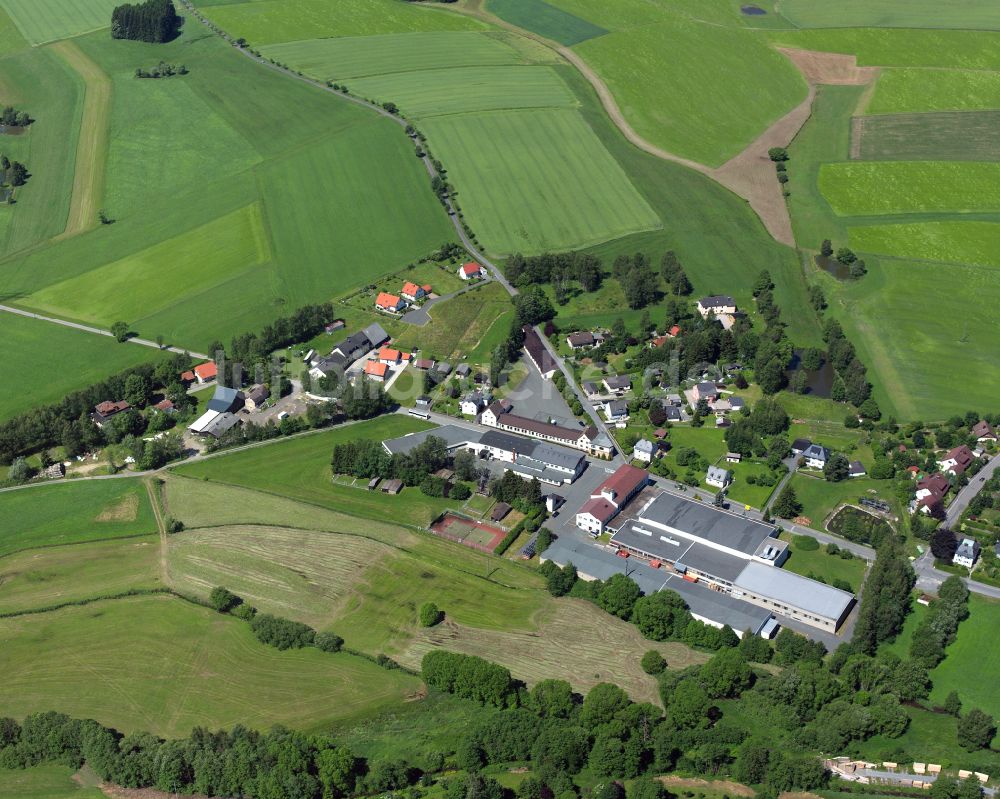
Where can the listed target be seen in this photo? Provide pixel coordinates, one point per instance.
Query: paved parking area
(538, 398)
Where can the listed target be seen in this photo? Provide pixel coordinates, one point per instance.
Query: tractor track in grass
(92, 144)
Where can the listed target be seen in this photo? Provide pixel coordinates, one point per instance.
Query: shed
(373, 483)
(500, 510)
(392, 486)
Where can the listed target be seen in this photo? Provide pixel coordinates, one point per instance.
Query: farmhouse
(956, 461)
(548, 464)
(610, 497)
(412, 292)
(226, 400)
(473, 402)
(539, 353)
(375, 334)
(719, 477)
(256, 397)
(717, 304)
(105, 411)
(377, 371)
(967, 553)
(392, 357)
(579, 341)
(733, 554)
(389, 302)
(206, 372)
(471, 271)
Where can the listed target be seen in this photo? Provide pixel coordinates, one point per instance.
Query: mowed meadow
(231, 187)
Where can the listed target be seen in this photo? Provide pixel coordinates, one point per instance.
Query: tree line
(150, 21)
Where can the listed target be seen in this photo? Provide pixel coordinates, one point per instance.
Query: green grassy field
(546, 20)
(952, 136)
(973, 243)
(45, 782)
(460, 326)
(862, 188)
(741, 492)
(932, 736)
(47, 20)
(892, 14)
(270, 21)
(913, 90)
(467, 89)
(318, 169)
(898, 47)
(75, 359)
(536, 180)
(38, 79)
(300, 469)
(819, 497)
(967, 663)
(709, 118)
(817, 563)
(186, 667)
(69, 513)
(351, 57)
(132, 288)
(41, 578)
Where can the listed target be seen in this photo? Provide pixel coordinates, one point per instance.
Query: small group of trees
(851, 383)
(846, 256)
(561, 270)
(149, 21)
(276, 631)
(13, 173)
(525, 495)
(10, 117)
(636, 277)
(940, 624)
(161, 70)
(779, 156)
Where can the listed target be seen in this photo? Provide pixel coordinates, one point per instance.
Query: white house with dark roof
(967, 553)
(617, 384)
(616, 410)
(816, 456)
(718, 477)
(717, 304)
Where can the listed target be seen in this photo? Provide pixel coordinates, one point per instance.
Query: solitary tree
(952, 704)
(787, 505)
(652, 662)
(975, 730)
(943, 544)
(120, 331)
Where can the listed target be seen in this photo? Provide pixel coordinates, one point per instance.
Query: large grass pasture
(133, 286)
(537, 180)
(287, 194)
(43, 21)
(963, 14)
(45, 782)
(43, 578)
(678, 99)
(976, 243)
(919, 90)
(75, 359)
(350, 57)
(941, 136)
(468, 89)
(264, 22)
(186, 666)
(860, 188)
(546, 20)
(968, 661)
(69, 513)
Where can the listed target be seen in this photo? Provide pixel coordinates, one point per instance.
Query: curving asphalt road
(955, 510)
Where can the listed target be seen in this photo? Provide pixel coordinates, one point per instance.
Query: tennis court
(468, 532)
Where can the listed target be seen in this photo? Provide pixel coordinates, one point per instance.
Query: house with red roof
(931, 492)
(412, 292)
(392, 357)
(983, 432)
(471, 271)
(206, 372)
(107, 410)
(376, 371)
(390, 303)
(610, 497)
(957, 460)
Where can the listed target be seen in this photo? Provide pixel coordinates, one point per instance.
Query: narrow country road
(955, 510)
(929, 578)
(97, 331)
(467, 243)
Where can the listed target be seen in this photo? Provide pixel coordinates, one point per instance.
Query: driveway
(538, 398)
(420, 316)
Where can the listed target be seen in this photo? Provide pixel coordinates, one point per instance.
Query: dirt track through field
(92, 146)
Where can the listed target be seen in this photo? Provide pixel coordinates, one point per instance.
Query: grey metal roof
(375, 334)
(618, 407)
(453, 435)
(642, 445)
(716, 301)
(354, 346)
(537, 450)
(595, 562)
(221, 423)
(225, 399)
(717, 606)
(794, 590)
(618, 381)
(700, 520)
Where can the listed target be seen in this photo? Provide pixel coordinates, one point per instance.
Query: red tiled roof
(600, 509)
(386, 300)
(108, 408)
(623, 482)
(471, 268)
(376, 368)
(426, 287)
(164, 405)
(207, 370)
(410, 289)
(674, 331)
(187, 376)
(388, 354)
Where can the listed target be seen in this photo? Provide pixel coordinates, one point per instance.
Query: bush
(328, 642)
(244, 611)
(460, 491)
(223, 600)
(430, 615)
(174, 525)
(282, 633)
(652, 662)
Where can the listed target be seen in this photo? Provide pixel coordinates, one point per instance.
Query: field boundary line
(78, 543)
(92, 142)
(161, 528)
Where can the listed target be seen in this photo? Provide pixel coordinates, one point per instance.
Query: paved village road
(929, 578)
(967, 494)
(97, 331)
